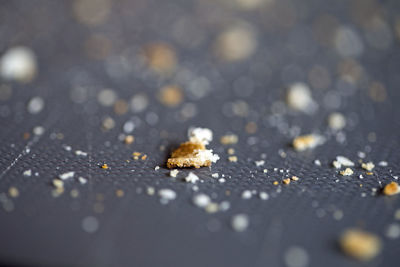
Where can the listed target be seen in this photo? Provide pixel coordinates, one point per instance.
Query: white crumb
(263, 195)
(80, 153)
(66, 175)
(156, 168)
(167, 194)
(336, 121)
(240, 222)
(246, 194)
(27, 172)
(383, 163)
(19, 64)
(317, 162)
(259, 162)
(82, 180)
(191, 178)
(200, 135)
(215, 175)
(173, 173)
(38, 130)
(201, 200)
(299, 98)
(206, 155)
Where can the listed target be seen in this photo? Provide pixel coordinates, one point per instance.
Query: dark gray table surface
(136, 229)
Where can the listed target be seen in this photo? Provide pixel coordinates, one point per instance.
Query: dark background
(136, 230)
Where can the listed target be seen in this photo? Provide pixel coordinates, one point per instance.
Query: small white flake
(361, 154)
(173, 173)
(35, 105)
(240, 222)
(265, 170)
(200, 135)
(259, 163)
(38, 130)
(317, 162)
(167, 194)
(344, 161)
(27, 172)
(221, 180)
(66, 175)
(201, 200)
(80, 153)
(19, 64)
(246, 194)
(157, 168)
(393, 231)
(215, 175)
(263, 195)
(150, 191)
(66, 147)
(383, 163)
(191, 178)
(82, 180)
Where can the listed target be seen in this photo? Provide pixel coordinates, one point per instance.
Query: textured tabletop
(104, 70)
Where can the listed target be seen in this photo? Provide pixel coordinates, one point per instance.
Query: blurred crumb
(305, 142)
(160, 57)
(170, 96)
(359, 244)
(18, 63)
(391, 189)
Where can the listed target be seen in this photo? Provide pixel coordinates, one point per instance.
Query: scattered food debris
(129, 139)
(80, 153)
(263, 195)
(19, 64)
(359, 244)
(173, 173)
(309, 141)
(391, 189)
(246, 194)
(82, 180)
(233, 159)
(336, 121)
(299, 98)
(383, 163)
(295, 178)
(259, 163)
(342, 161)
(317, 162)
(201, 200)
(166, 195)
(66, 175)
(240, 222)
(104, 166)
(286, 181)
(13, 192)
(156, 168)
(27, 173)
(170, 96)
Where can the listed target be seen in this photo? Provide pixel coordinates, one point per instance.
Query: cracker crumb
(359, 244)
(231, 151)
(286, 181)
(347, 172)
(57, 183)
(194, 153)
(144, 157)
(299, 98)
(309, 141)
(391, 189)
(229, 139)
(119, 193)
(275, 183)
(173, 173)
(233, 159)
(136, 155)
(368, 166)
(129, 139)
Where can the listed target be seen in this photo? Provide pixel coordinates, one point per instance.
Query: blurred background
(88, 73)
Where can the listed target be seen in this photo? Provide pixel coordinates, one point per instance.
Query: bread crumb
(57, 183)
(215, 175)
(231, 151)
(359, 244)
(391, 189)
(286, 181)
(201, 200)
(336, 121)
(233, 159)
(18, 64)
(144, 157)
(347, 172)
(295, 178)
(119, 193)
(309, 141)
(275, 183)
(368, 166)
(200, 135)
(299, 98)
(229, 139)
(259, 163)
(342, 161)
(170, 96)
(66, 175)
(173, 173)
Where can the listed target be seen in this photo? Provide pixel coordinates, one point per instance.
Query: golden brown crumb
(13, 191)
(229, 139)
(233, 159)
(121, 107)
(185, 156)
(251, 127)
(391, 189)
(26, 135)
(104, 166)
(286, 181)
(369, 173)
(359, 244)
(136, 155)
(170, 96)
(275, 182)
(231, 151)
(144, 157)
(129, 139)
(57, 183)
(295, 178)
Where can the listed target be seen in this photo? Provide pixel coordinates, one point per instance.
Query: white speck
(191, 178)
(246, 194)
(173, 173)
(265, 170)
(342, 161)
(35, 105)
(66, 175)
(215, 175)
(90, 224)
(224, 206)
(82, 180)
(336, 121)
(167, 194)
(157, 168)
(259, 163)
(18, 63)
(80, 153)
(263, 195)
(106, 97)
(338, 215)
(221, 180)
(361, 154)
(139, 103)
(27, 172)
(383, 163)
(201, 200)
(393, 231)
(240, 222)
(317, 162)
(150, 190)
(68, 148)
(38, 130)
(296, 257)
(361, 176)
